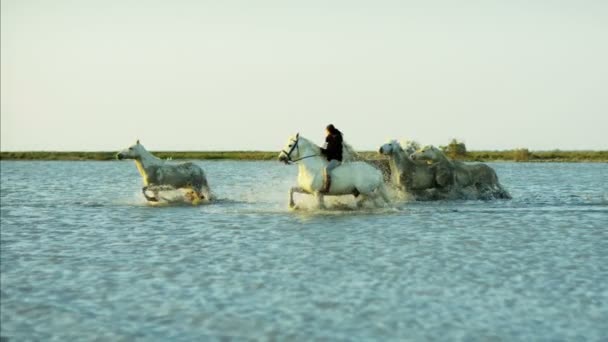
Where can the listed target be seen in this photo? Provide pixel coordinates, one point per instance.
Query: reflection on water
(83, 257)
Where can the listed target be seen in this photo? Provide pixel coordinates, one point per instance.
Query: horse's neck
(144, 162)
(147, 159)
(441, 158)
(308, 148)
(142, 171)
(401, 159)
(311, 164)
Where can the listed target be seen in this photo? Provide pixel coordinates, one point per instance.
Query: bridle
(296, 147)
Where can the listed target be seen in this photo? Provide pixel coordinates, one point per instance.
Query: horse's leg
(197, 193)
(148, 198)
(362, 200)
(503, 193)
(202, 187)
(320, 200)
(297, 189)
(196, 196)
(382, 191)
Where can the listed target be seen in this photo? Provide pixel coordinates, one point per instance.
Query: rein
(294, 147)
(297, 160)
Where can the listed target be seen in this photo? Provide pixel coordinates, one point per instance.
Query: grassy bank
(217, 155)
(521, 155)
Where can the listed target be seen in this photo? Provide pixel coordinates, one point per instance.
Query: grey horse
(420, 179)
(478, 177)
(158, 174)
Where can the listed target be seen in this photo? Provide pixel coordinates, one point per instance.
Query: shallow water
(83, 257)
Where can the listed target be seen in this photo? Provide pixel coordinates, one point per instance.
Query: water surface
(83, 257)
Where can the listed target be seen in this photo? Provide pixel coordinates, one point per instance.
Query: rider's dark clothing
(333, 147)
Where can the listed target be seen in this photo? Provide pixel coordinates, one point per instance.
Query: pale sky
(245, 75)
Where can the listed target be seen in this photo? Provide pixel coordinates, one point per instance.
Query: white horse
(478, 175)
(159, 175)
(351, 178)
(416, 178)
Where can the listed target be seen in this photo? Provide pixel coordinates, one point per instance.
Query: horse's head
(291, 151)
(390, 148)
(428, 152)
(132, 152)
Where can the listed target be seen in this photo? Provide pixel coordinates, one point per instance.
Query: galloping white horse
(351, 178)
(478, 175)
(408, 175)
(161, 175)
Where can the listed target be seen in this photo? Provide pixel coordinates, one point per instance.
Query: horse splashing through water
(415, 178)
(159, 175)
(476, 181)
(351, 178)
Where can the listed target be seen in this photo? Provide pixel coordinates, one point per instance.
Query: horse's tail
(349, 154)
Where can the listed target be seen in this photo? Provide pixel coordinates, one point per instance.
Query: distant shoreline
(480, 156)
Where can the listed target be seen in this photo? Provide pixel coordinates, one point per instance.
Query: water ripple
(83, 257)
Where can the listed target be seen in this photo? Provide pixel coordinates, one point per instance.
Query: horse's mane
(314, 146)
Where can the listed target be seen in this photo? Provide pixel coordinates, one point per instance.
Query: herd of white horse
(419, 173)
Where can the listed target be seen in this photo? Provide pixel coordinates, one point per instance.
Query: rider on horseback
(333, 152)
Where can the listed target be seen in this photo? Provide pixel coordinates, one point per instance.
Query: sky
(245, 75)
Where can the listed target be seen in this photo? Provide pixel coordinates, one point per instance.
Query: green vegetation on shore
(520, 155)
(211, 155)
